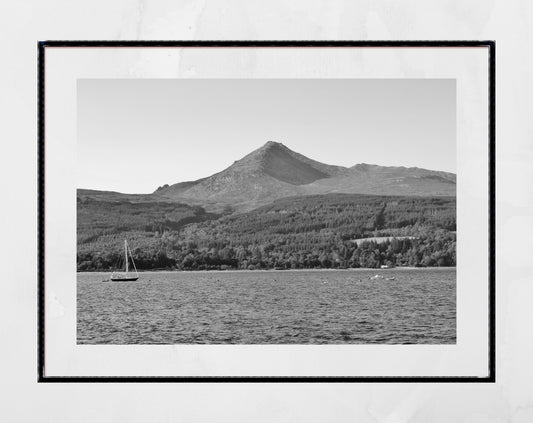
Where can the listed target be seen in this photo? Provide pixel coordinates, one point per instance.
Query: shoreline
(366, 269)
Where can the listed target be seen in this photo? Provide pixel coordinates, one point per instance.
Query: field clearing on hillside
(380, 239)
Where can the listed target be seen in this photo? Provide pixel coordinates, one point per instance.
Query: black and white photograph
(266, 211)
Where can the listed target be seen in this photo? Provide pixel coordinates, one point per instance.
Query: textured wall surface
(507, 22)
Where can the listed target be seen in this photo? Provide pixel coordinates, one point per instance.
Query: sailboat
(126, 276)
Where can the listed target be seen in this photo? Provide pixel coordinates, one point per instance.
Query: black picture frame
(42, 378)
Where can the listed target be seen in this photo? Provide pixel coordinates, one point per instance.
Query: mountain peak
(281, 163)
(270, 144)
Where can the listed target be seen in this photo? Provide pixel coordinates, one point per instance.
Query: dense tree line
(294, 233)
(432, 249)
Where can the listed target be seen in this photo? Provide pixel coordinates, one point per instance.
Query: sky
(137, 134)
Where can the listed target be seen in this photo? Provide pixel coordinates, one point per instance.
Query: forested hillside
(299, 232)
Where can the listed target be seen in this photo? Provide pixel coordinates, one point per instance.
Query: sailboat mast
(126, 254)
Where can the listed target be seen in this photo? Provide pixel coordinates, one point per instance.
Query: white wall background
(23, 23)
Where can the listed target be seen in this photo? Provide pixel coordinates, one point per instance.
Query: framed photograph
(264, 211)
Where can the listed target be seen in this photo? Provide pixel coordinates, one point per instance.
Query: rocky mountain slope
(274, 171)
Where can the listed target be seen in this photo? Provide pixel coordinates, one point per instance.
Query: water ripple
(275, 307)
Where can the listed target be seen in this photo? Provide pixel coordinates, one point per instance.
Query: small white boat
(126, 276)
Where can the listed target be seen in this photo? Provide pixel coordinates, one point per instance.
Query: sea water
(269, 307)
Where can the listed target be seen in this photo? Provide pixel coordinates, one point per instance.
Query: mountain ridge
(274, 171)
